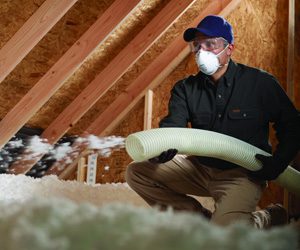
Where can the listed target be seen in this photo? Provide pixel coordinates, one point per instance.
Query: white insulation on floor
(51, 214)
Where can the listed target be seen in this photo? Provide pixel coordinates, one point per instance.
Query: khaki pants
(171, 183)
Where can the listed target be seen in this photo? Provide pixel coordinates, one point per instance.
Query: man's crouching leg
(167, 184)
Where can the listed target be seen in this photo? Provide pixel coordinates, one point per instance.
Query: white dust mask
(208, 62)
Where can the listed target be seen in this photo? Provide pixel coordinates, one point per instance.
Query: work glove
(164, 156)
(271, 168)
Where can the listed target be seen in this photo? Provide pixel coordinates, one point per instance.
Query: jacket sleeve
(178, 115)
(281, 111)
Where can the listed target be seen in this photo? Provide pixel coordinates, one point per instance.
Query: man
(227, 98)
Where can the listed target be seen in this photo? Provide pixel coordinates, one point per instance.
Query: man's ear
(230, 49)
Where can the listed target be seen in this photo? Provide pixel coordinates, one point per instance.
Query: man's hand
(271, 168)
(164, 156)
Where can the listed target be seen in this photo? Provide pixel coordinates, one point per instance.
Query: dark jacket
(242, 105)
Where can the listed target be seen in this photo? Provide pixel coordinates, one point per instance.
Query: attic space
(79, 77)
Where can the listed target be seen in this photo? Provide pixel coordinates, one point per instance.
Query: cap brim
(190, 33)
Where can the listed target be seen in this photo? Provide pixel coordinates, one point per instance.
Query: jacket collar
(228, 76)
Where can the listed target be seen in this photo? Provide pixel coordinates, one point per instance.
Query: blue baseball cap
(213, 26)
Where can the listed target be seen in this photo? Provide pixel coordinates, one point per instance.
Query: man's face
(212, 44)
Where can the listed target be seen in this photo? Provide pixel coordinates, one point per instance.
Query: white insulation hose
(150, 143)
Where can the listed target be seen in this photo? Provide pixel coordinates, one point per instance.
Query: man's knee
(135, 171)
(131, 172)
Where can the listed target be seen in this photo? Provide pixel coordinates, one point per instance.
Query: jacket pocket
(243, 123)
(243, 114)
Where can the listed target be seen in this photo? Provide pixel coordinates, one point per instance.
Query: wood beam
(41, 92)
(151, 77)
(65, 173)
(148, 109)
(81, 169)
(34, 29)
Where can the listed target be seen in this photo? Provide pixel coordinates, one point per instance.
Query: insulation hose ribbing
(150, 143)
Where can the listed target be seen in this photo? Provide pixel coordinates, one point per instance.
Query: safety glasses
(207, 44)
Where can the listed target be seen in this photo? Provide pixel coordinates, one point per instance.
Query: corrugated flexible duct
(150, 143)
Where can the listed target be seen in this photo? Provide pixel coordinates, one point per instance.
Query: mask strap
(222, 65)
(222, 50)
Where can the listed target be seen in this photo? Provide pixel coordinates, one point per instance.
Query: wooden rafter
(63, 68)
(34, 29)
(152, 76)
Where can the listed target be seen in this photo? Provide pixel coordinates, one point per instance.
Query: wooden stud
(81, 169)
(148, 110)
(64, 172)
